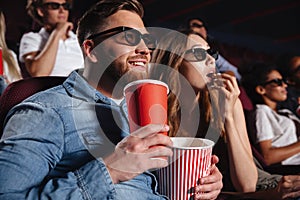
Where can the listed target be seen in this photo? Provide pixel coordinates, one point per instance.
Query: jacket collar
(79, 88)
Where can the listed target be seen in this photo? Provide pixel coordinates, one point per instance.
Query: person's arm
(242, 168)
(35, 142)
(265, 131)
(274, 155)
(32, 146)
(41, 63)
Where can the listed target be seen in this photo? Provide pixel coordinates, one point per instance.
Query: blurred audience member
(276, 129)
(222, 64)
(11, 69)
(2, 85)
(54, 50)
(274, 186)
(289, 67)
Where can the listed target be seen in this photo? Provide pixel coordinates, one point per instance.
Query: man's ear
(40, 12)
(260, 89)
(88, 46)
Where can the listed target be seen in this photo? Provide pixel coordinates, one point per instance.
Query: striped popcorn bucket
(191, 160)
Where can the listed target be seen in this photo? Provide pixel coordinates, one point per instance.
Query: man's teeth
(138, 63)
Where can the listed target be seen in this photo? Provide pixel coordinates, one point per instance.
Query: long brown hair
(165, 64)
(6, 54)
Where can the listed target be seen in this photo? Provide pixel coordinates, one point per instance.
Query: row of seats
(20, 90)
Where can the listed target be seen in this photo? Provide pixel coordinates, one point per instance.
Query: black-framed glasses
(277, 81)
(197, 25)
(199, 54)
(132, 36)
(56, 6)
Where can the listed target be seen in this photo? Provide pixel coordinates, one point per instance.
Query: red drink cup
(191, 160)
(147, 103)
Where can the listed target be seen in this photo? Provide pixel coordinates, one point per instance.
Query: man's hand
(139, 152)
(289, 186)
(211, 185)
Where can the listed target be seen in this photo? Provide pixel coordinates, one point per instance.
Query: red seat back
(20, 90)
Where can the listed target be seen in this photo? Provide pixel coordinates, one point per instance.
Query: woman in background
(11, 69)
(289, 67)
(276, 131)
(54, 50)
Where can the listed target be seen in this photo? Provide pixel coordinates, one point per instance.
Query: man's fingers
(150, 129)
(156, 151)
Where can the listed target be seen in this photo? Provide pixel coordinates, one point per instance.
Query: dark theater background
(244, 28)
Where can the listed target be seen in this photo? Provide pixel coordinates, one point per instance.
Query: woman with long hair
(11, 69)
(212, 110)
(203, 104)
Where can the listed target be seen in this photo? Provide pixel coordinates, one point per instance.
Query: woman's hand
(224, 91)
(210, 186)
(62, 29)
(231, 93)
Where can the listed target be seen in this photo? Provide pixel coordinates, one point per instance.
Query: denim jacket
(53, 145)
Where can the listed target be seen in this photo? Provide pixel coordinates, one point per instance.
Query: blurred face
(198, 26)
(274, 87)
(295, 68)
(197, 63)
(54, 11)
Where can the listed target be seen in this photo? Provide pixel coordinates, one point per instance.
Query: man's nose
(142, 48)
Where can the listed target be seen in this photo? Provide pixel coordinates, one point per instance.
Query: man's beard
(122, 76)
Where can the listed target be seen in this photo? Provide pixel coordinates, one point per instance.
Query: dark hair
(189, 20)
(254, 74)
(95, 18)
(284, 64)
